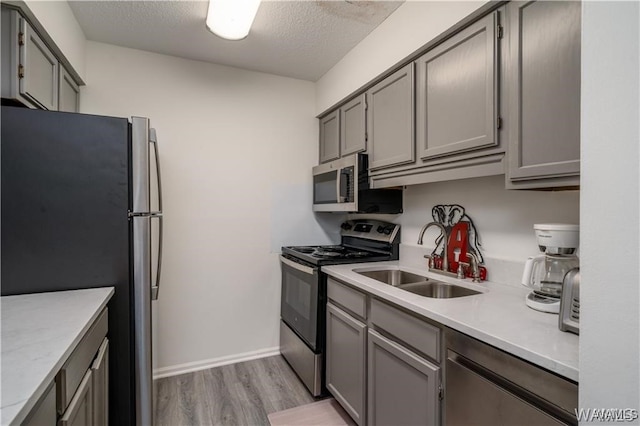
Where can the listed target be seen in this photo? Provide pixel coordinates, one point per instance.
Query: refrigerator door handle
(154, 141)
(156, 288)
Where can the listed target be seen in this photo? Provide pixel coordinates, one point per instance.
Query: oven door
(300, 299)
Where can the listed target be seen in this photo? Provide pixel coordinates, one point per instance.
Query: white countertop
(498, 317)
(39, 332)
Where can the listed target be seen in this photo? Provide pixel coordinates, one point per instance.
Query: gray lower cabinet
(353, 131)
(100, 384)
(80, 409)
(44, 413)
(381, 379)
(68, 93)
(83, 381)
(543, 91)
(403, 387)
(456, 86)
(346, 361)
(390, 120)
(330, 137)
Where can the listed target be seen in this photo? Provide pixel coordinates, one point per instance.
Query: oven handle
(297, 266)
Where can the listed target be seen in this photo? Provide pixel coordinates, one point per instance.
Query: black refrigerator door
(65, 198)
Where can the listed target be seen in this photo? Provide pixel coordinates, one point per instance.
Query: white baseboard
(190, 367)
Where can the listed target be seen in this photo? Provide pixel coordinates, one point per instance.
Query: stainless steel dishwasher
(486, 386)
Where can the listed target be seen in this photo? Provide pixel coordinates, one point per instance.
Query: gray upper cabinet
(346, 361)
(543, 90)
(69, 93)
(37, 68)
(29, 68)
(353, 118)
(390, 120)
(403, 388)
(330, 137)
(32, 70)
(456, 86)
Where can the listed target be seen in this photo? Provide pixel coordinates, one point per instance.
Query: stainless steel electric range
(304, 291)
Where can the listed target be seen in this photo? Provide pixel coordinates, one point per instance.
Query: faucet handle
(461, 266)
(430, 262)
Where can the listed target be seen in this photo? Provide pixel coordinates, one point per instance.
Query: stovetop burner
(363, 240)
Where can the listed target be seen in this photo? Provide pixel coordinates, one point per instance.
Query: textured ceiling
(300, 39)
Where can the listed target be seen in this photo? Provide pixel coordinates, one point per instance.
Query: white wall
(237, 148)
(410, 27)
(610, 206)
(504, 219)
(60, 22)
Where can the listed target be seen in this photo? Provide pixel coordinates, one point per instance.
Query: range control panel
(370, 229)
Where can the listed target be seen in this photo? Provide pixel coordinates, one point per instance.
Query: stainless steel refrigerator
(82, 208)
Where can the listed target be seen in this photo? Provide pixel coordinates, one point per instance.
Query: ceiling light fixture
(231, 19)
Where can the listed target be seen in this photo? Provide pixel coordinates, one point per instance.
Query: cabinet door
(330, 137)
(68, 93)
(543, 89)
(346, 367)
(100, 377)
(38, 78)
(390, 120)
(456, 85)
(80, 410)
(353, 137)
(44, 413)
(402, 387)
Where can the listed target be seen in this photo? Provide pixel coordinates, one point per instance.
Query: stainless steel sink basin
(418, 284)
(394, 277)
(438, 290)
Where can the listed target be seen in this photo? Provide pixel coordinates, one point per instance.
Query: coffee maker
(545, 273)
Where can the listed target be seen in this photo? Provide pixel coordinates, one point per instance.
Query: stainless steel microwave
(343, 186)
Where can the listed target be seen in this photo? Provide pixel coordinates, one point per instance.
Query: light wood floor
(240, 394)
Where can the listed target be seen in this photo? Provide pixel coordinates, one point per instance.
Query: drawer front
(350, 299)
(418, 334)
(70, 375)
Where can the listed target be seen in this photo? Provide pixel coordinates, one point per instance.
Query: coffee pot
(545, 273)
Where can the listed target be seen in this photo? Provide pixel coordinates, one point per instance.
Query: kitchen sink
(394, 277)
(437, 289)
(418, 284)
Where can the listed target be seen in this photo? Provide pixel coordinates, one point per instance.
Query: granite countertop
(39, 332)
(498, 317)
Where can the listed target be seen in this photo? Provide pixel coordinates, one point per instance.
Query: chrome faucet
(475, 266)
(445, 237)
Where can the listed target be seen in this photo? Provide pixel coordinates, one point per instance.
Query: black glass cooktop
(334, 254)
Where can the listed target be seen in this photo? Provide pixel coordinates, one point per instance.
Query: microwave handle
(339, 197)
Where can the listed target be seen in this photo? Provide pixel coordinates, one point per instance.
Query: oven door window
(325, 188)
(299, 307)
